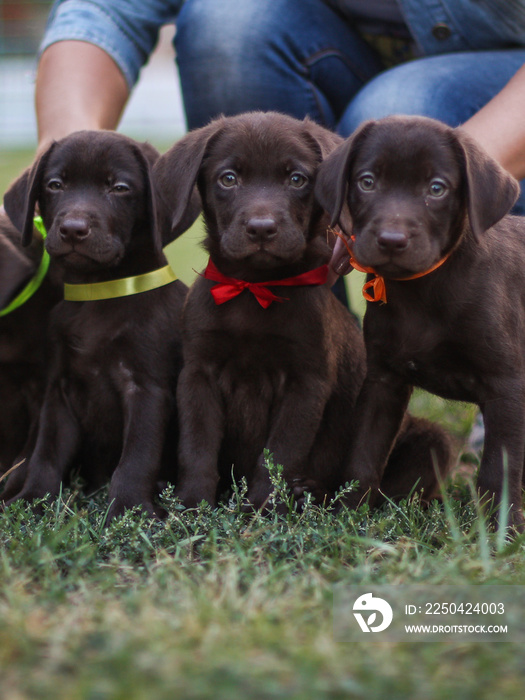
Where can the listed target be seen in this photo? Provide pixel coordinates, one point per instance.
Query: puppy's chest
(427, 356)
(252, 362)
(251, 349)
(105, 363)
(253, 375)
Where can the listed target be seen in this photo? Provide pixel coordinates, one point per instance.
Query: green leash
(37, 280)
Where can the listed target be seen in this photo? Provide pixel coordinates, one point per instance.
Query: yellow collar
(120, 288)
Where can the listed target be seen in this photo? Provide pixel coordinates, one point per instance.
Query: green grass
(217, 604)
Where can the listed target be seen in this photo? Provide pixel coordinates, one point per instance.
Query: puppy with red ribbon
(271, 358)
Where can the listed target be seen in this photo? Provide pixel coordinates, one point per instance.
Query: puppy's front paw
(38, 485)
(265, 508)
(191, 497)
(516, 521)
(257, 497)
(302, 487)
(13, 481)
(119, 506)
(30, 497)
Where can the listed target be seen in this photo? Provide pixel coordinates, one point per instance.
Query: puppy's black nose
(392, 241)
(74, 229)
(260, 229)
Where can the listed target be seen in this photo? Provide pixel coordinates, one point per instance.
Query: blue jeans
(303, 57)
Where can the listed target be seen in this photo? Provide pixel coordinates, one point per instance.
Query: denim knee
(450, 88)
(217, 46)
(295, 56)
(412, 88)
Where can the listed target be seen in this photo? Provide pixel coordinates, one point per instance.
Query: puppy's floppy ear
(147, 156)
(332, 177)
(21, 198)
(150, 152)
(325, 140)
(176, 172)
(491, 190)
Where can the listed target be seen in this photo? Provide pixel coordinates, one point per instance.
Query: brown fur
(286, 377)
(113, 362)
(23, 335)
(416, 191)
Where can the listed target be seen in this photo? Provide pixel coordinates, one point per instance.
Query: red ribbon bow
(229, 287)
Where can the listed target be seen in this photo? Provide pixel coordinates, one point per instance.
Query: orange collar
(377, 283)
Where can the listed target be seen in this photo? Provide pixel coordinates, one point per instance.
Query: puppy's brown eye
(298, 180)
(366, 182)
(120, 188)
(54, 185)
(228, 179)
(437, 188)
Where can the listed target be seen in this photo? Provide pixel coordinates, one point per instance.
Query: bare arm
(500, 126)
(78, 86)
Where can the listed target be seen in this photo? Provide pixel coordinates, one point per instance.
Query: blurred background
(154, 112)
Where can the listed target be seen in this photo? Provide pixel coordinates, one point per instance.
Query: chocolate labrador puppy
(271, 358)
(115, 339)
(428, 221)
(28, 291)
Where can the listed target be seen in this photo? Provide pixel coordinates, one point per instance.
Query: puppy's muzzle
(392, 242)
(74, 229)
(261, 229)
